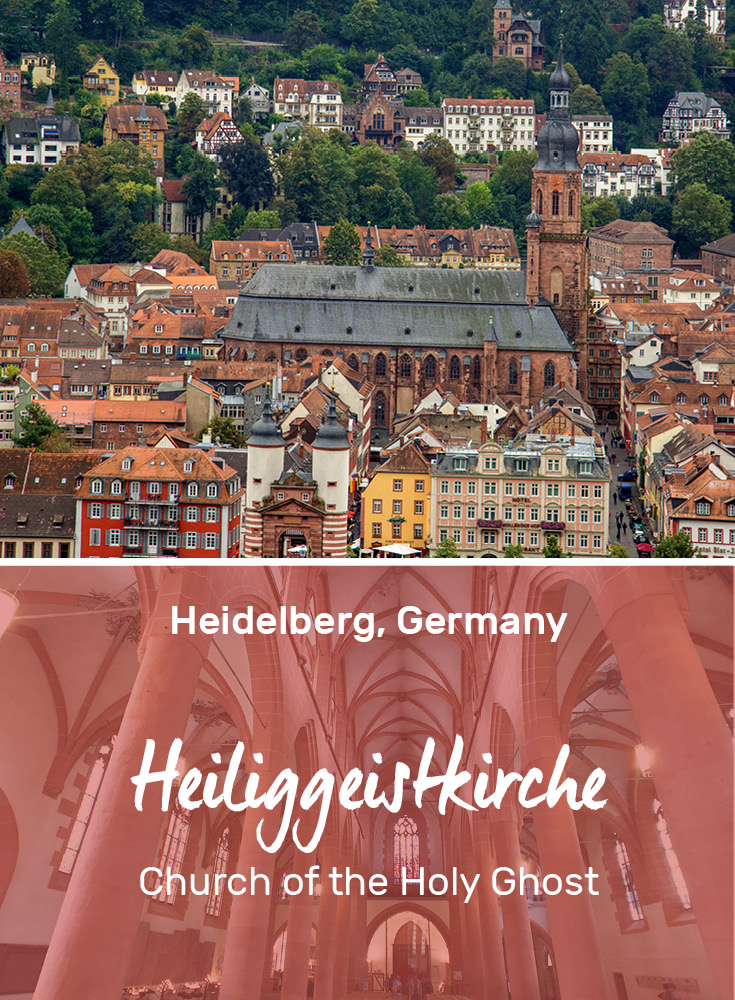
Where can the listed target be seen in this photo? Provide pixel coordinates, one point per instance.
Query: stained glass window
(86, 806)
(631, 893)
(405, 849)
(214, 903)
(174, 848)
(671, 859)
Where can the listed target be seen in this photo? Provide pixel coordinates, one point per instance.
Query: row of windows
(397, 506)
(490, 487)
(97, 486)
(534, 514)
(396, 530)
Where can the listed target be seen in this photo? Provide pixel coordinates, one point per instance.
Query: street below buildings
(620, 462)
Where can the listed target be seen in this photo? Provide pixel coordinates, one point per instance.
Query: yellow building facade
(102, 78)
(396, 504)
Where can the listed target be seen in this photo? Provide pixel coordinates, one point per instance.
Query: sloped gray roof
(393, 307)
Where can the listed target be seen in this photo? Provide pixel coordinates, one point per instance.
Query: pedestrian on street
(615, 496)
(625, 528)
(618, 534)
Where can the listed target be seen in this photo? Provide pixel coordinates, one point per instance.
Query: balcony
(483, 523)
(553, 525)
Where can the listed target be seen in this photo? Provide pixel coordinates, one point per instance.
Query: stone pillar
(577, 952)
(327, 943)
(490, 930)
(342, 958)
(457, 937)
(359, 965)
(298, 940)
(96, 929)
(681, 725)
(247, 948)
(516, 922)
(474, 959)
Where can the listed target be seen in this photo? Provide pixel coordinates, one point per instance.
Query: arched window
(540, 203)
(672, 861)
(556, 286)
(271, 357)
(513, 372)
(380, 366)
(380, 409)
(353, 362)
(221, 859)
(549, 374)
(454, 367)
(405, 849)
(86, 806)
(430, 367)
(405, 369)
(174, 849)
(555, 203)
(631, 893)
(704, 399)
(476, 369)
(571, 202)
(301, 354)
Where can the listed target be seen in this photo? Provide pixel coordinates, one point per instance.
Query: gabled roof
(123, 118)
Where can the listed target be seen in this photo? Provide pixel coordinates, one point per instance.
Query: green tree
(513, 552)
(617, 551)
(369, 22)
(479, 203)
(343, 245)
(625, 92)
(46, 268)
(148, 239)
(699, 217)
(419, 182)
(304, 177)
(388, 256)
(192, 112)
(266, 218)
(509, 74)
(437, 153)
(62, 37)
(446, 549)
(201, 188)
(224, 429)
(678, 546)
(586, 101)
(450, 212)
(117, 17)
(14, 281)
(61, 189)
(400, 210)
(585, 37)
(480, 24)
(418, 98)
(195, 46)
(303, 30)
(598, 212)
(37, 428)
(9, 374)
(553, 550)
(707, 160)
(669, 65)
(247, 171)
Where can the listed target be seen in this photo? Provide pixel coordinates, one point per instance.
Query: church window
(454, 367)
(571, 203)
(301, 354)
(405, 369)
(380, 409)
(549, 374)
(540, 203)
(556, 286)
(174, 848)
(353, 362)
(626, 871)
(671, 859)
(405, 849)
(380, 366)
(476, 369)
(513, 372)
(86, 806)
(221, 858)
(555, 203)
(430, 367)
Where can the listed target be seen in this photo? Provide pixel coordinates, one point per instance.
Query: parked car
(629, 476)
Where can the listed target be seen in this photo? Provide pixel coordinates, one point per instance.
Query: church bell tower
(556, 246)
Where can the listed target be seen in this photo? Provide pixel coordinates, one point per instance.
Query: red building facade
(159, 502)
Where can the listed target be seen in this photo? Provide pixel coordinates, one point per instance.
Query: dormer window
(10, 482)
(96, 486)
(188, 466)
(127, 464)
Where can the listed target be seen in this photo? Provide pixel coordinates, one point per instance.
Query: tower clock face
(556, 183)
